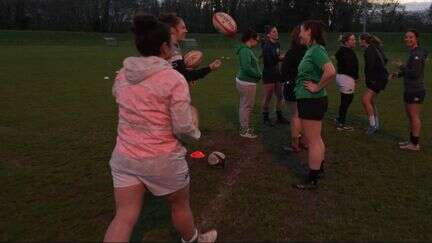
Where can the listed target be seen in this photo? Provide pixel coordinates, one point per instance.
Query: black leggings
(345, 102)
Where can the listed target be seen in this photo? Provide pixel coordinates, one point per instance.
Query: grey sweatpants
(247, 101)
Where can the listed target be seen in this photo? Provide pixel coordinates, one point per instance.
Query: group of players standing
(155, 111)
(306, 70)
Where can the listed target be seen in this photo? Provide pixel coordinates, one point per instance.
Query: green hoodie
(249, 69)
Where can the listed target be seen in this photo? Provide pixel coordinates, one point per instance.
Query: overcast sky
(407, 1)
(416, 5)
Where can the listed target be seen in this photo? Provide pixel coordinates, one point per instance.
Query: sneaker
(208, 237)
(371, 130)
(248, 133)
(404, 143)
(306, 185)
(291, 149)
(345, 128)
(268, 122)
(410, 146)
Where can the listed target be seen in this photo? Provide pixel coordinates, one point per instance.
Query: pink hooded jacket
(154, 110)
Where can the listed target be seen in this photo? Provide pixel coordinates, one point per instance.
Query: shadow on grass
(360, 122)
(274, 138)
(155, 215)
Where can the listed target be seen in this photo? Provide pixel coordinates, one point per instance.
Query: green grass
(58, 128)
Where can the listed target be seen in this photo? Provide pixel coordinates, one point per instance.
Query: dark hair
(371, 39)
(415, 32)
(295, 38)
(317, 30)
(345, 37)
(249, 34)
(268, 29)
(149, 34)
(171, 19)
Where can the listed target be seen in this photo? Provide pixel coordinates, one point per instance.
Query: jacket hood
(138, 69)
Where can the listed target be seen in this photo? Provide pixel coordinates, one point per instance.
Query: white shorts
(345, 84)
(161, 176)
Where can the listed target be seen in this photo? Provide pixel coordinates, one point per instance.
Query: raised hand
(215, 65)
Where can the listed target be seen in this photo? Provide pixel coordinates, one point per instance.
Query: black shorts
(273, 80)
(288, 91)
(312, 109)
(376, 86)
(270, 81)
(271, 77)
(414, 97)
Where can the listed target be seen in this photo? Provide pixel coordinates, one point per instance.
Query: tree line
(115, 15)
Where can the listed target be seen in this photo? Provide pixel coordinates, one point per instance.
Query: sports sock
(414, 140)
(313, 176)
(194, 238)
(372, 121)
(375, 106)
(376, 121)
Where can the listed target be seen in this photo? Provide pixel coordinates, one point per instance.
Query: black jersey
(413, 71)
(270, 54)
(190, 75)
(347, 62)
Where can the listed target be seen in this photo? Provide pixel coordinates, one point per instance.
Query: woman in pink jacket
(154, 114)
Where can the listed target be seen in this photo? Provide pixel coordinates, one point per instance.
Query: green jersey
(249, 70)
(311, 69)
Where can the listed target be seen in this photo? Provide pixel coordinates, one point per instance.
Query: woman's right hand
(393, 76)
(215, 65)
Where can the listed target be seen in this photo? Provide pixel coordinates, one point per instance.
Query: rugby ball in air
(225, 24)
(216, 158)
(193, 59)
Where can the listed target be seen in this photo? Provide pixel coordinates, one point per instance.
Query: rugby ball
(193, 59)
(216, 158)
(225, 24)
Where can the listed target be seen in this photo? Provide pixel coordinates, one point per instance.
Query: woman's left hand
(398, 63)
(312, 87)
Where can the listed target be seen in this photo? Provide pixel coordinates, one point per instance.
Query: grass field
(58, 128)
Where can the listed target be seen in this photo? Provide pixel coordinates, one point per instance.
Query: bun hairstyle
(345, 37)
(371, 39)
(317, 29)
(149, 34)
(171, 19)
(249, 34)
